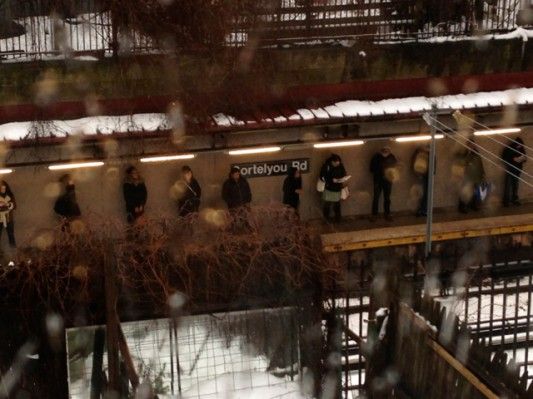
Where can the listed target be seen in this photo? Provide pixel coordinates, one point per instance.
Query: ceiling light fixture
(258, 150)
(76, 165)
(167, 158)
(408, 139)
(333, 144)
(497, 131)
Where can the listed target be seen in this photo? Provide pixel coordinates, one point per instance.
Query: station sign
(272, 168)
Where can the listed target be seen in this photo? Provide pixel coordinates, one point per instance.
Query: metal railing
(30, 30)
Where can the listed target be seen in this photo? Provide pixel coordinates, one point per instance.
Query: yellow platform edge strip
(446, 236)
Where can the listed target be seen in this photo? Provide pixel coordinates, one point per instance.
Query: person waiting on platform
(382, 168)
(473, 177)
(237, 195)
(7, 206)
(135, 194)
(333, 174)
(189, 201)
(236, 190)
(66, 205)
(292, 188)
(514, 157)
(421, 170)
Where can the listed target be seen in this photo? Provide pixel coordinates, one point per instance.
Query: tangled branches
(215, 257)
(183, 23)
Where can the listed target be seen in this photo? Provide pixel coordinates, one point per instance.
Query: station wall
(99, 190)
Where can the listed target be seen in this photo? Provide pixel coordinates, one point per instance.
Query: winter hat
(64, 179)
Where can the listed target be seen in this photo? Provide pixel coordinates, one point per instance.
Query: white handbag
(345, 193)
(320, 185)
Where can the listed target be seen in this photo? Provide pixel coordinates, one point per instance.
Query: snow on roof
(344, 109)
(399, 106)
(88, 126)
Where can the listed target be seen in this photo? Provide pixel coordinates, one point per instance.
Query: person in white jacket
(7, 206)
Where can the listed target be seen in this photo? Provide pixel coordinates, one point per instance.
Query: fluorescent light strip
(497, 131)
(5, 171)
(259, 150)
(166, 158)
(333, 144)
(77, 165)
(408, 139)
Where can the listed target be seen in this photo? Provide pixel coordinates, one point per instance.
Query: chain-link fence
(198, 356)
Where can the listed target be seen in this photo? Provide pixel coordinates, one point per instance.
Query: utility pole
(112, 330)
(431, 179)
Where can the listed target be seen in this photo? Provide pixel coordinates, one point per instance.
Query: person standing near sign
(292, 188)
(333, 174)
(66, 205)
(135, 194)
(236, 190)
(381, 166)
(189, 201)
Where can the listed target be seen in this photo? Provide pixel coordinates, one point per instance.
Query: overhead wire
(516, 168)
(447, 134)
(497, 134)
(487, 159)
(511, 148)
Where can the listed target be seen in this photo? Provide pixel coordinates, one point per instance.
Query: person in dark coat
(380, 166)
(7, 206)
(189, 201)
(66, 204)
(473, 177)
(514, 157)
(332, 174)
(421, 170)
(236, 190)
(292, 188)
(135, 194)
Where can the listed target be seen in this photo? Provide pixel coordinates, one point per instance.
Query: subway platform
(359, 233)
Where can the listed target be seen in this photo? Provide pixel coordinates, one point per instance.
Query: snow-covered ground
(215, 359)
(256, 385)
(482, 309)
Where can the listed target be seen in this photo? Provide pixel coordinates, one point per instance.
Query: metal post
(112, 331)
(431, 181)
